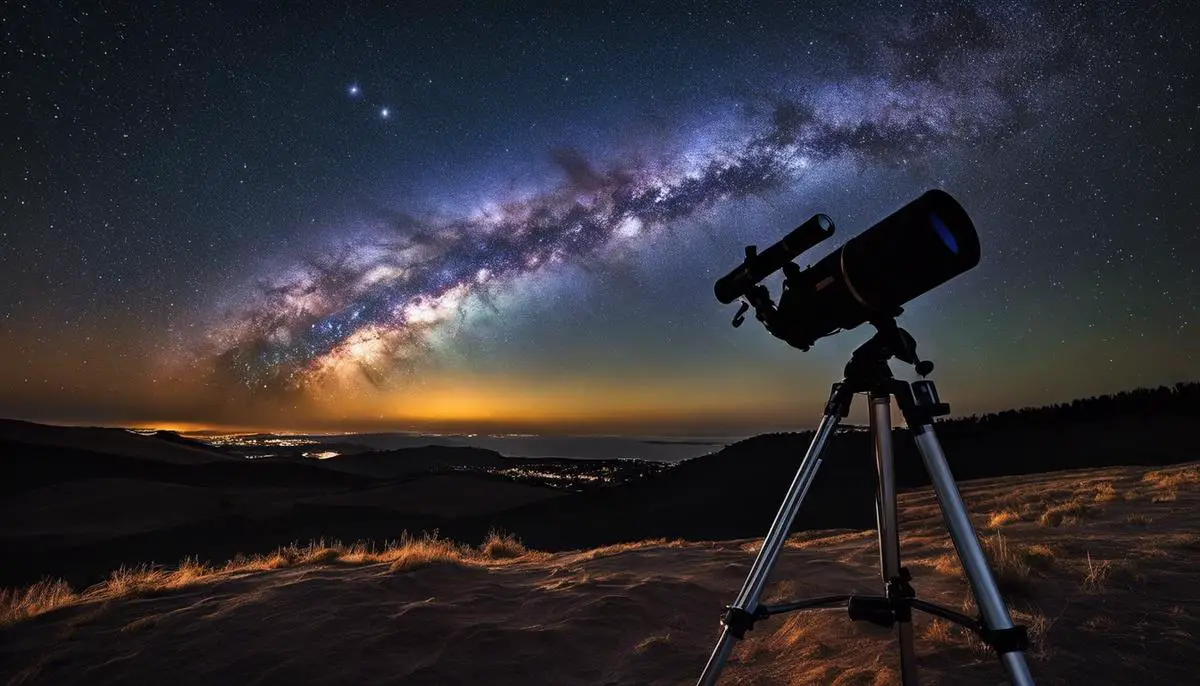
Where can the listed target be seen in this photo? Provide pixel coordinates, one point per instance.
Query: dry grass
(1066, 514)
(618, 548)
(1012, 564)
(408, 553)
(1036, 623)
(999, 519)
(1097, 575)
(46, 595)
(1173, 479)
(941, 632)
(1105, 493)
(819, 539)
(1139, 519)
(499, 546)
(1185, 541)
(651, 642)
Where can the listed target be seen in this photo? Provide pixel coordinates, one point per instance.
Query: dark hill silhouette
(391, 464)
(173, 437)
(733, 493)
(27, 466)
(455, 495)
(112, 441)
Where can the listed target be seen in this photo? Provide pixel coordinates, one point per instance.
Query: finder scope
(759, 266)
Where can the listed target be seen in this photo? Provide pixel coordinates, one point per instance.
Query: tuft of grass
(502, 546)
(1035, 622)
(1097, 574)
(136, 580)
(941, 632)
(948, 564)
(1012, 564)
(415, 553)
(652, 642)
(1001, 518)
(1139, 519)
(1066, 513)
(1038, 556)
(1038, 627)
(1167, 497)
(20, 604)
(1105, 493)
(1009, 564)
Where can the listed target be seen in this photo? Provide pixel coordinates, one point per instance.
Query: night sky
(449, 217)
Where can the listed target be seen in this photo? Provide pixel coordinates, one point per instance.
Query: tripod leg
(740, 615)
(979, 574)
(889, 532)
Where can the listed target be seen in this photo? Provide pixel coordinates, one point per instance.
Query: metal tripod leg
(979, 574)
(889, 532)
(740, 615)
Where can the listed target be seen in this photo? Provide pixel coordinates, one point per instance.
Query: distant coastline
(652, 448)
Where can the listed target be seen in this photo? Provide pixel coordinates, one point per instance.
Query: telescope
(911, 251)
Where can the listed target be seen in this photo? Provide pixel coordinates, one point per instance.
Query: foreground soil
(1100, 564)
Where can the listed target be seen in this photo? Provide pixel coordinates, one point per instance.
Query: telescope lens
(943, 232)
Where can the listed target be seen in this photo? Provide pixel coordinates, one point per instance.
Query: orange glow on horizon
(556, 402)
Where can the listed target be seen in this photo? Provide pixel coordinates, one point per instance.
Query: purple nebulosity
(368, 309)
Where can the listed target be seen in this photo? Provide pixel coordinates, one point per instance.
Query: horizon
(857, 418)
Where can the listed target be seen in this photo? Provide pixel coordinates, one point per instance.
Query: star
(354, 90)
(385, 113)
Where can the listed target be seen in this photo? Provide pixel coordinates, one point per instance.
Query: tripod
(868, 372)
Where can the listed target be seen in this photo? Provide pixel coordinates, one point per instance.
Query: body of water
(671, 449)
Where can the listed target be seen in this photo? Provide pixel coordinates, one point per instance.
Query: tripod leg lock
(738, 621)
(1014, 640)
(839, 400)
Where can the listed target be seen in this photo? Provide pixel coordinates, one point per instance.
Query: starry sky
(457, 217)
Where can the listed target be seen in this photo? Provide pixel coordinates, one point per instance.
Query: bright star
(354, 90)
(385, 113)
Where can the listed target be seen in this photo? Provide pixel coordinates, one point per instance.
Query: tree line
(1180, 399)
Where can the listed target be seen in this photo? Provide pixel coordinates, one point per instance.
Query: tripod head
(868, 368)
(891, 341)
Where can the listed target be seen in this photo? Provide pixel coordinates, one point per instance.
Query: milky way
(207, 218)
(363, 315)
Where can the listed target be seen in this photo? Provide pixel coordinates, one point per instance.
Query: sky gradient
(476, 219)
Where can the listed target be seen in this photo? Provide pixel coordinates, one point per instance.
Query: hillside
(162, 446)
(1098, 563)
